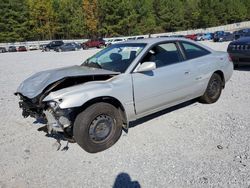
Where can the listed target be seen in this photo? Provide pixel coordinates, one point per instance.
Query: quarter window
(193, 51)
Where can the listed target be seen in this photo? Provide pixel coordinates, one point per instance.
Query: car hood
(34, 85)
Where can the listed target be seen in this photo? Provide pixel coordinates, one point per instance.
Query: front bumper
(57, 119)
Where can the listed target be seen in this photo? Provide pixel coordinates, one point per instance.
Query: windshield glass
(115, 58)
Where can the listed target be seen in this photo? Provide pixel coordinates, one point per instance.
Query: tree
(42, 19)
(91, 17)
(146, 22)
(191, 14)
(236, 11)
(14, 25)
(69, 18)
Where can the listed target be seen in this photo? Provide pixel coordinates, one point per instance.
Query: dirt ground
(190, 145)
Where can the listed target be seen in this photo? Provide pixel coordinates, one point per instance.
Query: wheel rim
(100, 128)
(214, 88)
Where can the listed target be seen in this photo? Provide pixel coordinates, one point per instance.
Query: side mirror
(146, 66)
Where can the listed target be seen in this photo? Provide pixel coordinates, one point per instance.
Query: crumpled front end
(57, 120)
(35, 89)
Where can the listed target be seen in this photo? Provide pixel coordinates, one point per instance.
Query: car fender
(119, 87)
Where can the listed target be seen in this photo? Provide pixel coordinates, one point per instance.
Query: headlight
(53, 104)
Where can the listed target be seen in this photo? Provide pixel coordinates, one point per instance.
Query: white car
(114, 41)
(92, 103)
(33, 47)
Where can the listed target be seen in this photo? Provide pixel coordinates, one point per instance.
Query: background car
(207, 36)
(12, 49)
(239, 51)
(222, 36)
(70, 46)
(191, 36)
(32, 47)
(94, 43)
(242, 33)
(199, 37)
(54, 44)
(42, 46)
(22, 49)
(3, 50)
(114, 41)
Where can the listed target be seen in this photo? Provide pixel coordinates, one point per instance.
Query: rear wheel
(98, 127)
(213, 91)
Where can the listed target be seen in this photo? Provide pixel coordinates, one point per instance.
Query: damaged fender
(78, 95)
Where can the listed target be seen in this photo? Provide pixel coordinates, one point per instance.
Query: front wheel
(98, 127)
(213, 91)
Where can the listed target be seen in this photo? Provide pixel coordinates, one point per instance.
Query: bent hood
(34, 85)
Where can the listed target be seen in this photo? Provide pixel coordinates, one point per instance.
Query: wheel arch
(111, 100)
(221, 74)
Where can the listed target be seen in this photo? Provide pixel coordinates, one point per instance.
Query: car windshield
(116, 58)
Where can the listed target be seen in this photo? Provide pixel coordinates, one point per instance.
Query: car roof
(157, 40)
(152, 41)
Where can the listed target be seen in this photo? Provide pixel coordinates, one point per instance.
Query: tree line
(23, 20)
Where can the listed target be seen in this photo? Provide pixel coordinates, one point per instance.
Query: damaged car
(92, 103)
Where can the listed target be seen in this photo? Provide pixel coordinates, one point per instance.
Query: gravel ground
(191, 145)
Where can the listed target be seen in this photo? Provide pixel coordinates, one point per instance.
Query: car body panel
(35, 84)
(118, 87)
(148, 90)
(140, 94)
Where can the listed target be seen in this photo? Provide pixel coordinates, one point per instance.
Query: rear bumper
(240, 58)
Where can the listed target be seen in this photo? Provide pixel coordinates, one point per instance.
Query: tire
(85, 47)
(213, 91)
(100, 46)
(98, 127)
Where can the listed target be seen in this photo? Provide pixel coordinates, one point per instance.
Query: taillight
(230, 58)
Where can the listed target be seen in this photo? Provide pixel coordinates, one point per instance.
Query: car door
(200, 63)
(169, 83)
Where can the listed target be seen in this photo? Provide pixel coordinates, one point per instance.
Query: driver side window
(164, 54)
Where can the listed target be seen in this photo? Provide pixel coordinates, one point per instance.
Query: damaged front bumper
(57, 119)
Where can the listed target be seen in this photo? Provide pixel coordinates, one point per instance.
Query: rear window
(193, 51)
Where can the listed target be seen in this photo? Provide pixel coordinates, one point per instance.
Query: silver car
(91, 103)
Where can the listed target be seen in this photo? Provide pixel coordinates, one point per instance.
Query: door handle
(186, 72)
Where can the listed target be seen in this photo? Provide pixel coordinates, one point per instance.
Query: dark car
(53, 45)
(239, 51)
(3, 50)
(12, 49)
(99, 43)
(22, 49)
(71, 46)
(242, 33)
(221, 36)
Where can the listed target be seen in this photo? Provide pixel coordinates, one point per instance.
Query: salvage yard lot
(190, 145)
